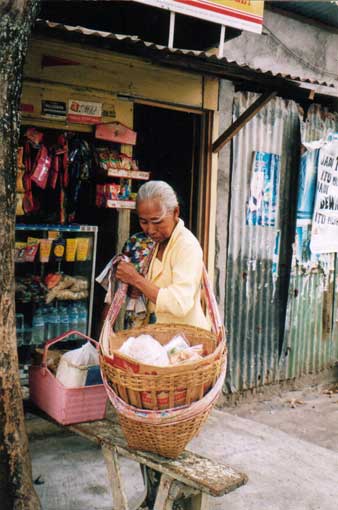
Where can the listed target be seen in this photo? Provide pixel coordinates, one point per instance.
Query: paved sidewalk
(285, 472)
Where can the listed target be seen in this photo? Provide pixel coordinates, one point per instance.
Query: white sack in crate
(73, 366)
(146, 349)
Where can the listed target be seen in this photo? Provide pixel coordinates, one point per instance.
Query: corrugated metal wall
(311, 333)
(257, 280)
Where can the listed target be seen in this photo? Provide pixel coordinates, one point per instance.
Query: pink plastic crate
(65, 405)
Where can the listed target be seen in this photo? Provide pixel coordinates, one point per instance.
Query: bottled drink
(64, 320)
(53, 323)
(38, 327)
(45, 312)
(73, 318)
(83, 317)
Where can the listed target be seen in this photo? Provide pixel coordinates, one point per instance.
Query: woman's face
(155, 221)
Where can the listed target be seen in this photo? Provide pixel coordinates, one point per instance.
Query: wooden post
(114, 476)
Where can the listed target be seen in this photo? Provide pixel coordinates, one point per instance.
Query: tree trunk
(16, 487)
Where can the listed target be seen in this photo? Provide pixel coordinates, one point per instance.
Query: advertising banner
(84, 112)
(241, 14)
(324, 238)
(264, 184)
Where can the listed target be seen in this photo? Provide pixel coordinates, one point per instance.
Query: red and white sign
(241, 14)
(83, 112)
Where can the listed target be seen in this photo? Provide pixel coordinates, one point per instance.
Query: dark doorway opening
(168, 145)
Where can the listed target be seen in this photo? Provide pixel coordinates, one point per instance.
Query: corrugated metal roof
(204, 56)
(324, 12)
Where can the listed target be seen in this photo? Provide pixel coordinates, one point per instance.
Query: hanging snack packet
(20, 252)
(53, 234)
(30, 252)
(59, 249)
(70, 249)
(82, 248)
(45, 249)
(40, 174)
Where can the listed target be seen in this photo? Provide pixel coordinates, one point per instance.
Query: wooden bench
(190, 479)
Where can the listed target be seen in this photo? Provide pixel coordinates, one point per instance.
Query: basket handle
(216, 322)
(59, 338)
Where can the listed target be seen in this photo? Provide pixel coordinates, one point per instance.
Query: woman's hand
(126, 272)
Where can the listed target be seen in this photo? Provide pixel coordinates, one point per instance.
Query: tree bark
(16, 487)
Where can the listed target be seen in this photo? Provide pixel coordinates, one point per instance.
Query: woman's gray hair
(158, 190)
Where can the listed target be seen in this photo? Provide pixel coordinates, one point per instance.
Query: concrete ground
(287, 445)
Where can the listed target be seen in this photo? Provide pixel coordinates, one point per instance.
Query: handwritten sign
(324, 238)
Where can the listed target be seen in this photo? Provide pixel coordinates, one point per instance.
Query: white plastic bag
(177, 343)
(146, 349)
(73, 366)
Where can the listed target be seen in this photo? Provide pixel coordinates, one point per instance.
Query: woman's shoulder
(185, 239)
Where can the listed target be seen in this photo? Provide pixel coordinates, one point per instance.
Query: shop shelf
(128, 174)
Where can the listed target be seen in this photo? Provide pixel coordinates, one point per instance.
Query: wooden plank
(137, 77)
(210, 92)
(242, 120)
(34, 93)
(189, 468)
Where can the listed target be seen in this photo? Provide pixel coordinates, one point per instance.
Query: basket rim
(166, 325)
(200, 369)
(171, 368)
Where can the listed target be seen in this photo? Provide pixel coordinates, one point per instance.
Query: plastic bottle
(38, 327)
(73, 318)
(45, 312)
(64, 320)
(83, 317)
(53, 323)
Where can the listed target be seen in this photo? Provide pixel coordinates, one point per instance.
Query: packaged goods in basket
(148, 350)
(66, 404)
(73, 366)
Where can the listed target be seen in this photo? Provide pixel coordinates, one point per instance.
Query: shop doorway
(169, 146)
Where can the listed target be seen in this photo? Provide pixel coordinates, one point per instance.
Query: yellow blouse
(179, 277)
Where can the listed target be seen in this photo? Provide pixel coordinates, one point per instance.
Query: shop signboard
(240, 14)
(324, 238)
(54, 108)
(84, 112)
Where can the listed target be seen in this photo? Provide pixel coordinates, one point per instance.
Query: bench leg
(112, 463)
(164, 500)
(199, 502)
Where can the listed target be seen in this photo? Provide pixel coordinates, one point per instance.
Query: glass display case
(54, 283)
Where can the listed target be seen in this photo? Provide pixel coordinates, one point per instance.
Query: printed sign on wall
(84, 112)
(324, 238)
(264, 184)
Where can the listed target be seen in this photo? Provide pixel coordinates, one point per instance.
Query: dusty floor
(310, 414)
(288, 446)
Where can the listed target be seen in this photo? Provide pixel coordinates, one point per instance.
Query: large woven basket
(168, 440)
(166, 433)
(149, 387)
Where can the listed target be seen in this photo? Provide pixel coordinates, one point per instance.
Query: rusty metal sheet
(257, 277)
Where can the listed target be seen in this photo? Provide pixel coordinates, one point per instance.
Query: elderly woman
(172, 285)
